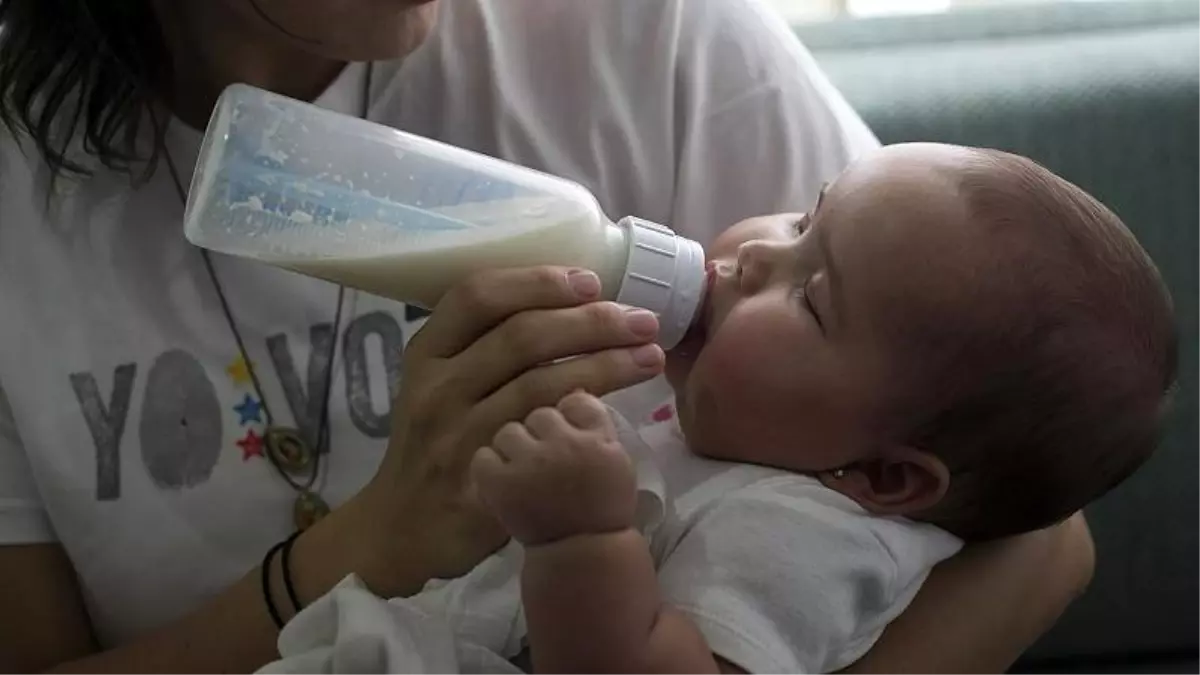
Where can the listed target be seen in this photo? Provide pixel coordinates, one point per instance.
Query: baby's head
(952, 334)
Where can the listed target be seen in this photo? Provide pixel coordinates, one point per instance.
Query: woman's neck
(212, 47)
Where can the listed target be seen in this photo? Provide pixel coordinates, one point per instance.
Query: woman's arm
(42, 612)
(45, 620)
(980, 610)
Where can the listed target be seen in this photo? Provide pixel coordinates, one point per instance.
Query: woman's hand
(980, 610)
(492, 352)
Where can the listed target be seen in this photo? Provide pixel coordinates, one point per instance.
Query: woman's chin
(392, 32)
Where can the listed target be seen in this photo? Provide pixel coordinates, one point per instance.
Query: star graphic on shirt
(249, 410)
(239, 371)
(251, 445)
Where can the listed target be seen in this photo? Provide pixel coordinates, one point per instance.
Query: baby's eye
(801, 224)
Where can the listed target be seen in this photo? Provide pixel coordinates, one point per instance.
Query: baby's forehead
(901, 187)
(950, 196)
(944, 226)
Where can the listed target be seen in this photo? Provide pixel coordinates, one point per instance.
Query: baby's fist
(560, 473)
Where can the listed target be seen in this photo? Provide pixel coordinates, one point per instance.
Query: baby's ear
(901, 481)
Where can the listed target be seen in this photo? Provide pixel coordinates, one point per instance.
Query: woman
(145, 464)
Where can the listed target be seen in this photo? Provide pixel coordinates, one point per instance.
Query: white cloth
(779, 573)
(349, 630)
(126, 403)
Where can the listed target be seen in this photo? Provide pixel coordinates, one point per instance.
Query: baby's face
(792, 365)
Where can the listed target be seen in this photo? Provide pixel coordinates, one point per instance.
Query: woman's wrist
(353, 539)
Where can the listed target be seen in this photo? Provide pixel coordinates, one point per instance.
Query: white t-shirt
(778, 572)
(126, 433)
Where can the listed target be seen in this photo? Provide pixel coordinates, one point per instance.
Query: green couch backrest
(1105, 94)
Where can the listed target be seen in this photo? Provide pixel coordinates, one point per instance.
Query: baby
(954, 344)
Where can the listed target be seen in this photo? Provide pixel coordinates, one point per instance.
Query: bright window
(817, 10)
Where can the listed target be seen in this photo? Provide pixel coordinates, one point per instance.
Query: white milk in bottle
(405, 217)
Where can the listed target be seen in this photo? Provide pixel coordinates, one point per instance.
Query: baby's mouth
(704, 321)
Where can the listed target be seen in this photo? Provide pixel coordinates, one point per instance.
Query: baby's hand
(560, 473)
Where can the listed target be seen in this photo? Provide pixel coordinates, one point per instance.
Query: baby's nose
(757, 261)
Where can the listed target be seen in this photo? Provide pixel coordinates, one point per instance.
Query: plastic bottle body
(392, 213)
(421, 276)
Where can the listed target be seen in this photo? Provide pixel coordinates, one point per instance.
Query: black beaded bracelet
(287, 571)
(266, 583)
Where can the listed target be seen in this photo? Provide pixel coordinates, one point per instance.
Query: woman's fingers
(474, 307)
(597, 374)
(534, 338)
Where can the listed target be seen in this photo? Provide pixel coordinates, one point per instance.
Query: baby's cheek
(737, 374)
(731, 416)
(735, 356)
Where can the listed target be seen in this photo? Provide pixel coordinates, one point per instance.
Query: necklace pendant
(287, 449)
(308, 509)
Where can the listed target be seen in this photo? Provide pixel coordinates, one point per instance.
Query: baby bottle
(405, 217)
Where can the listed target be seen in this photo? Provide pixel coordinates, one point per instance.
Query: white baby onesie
(778, 572)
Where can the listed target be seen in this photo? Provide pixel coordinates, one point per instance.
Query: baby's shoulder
(795, 505)
(765, 513)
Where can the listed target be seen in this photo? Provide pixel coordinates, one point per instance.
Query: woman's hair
(81, 70)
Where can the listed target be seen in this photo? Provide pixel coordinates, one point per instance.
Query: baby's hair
(1049, 389)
